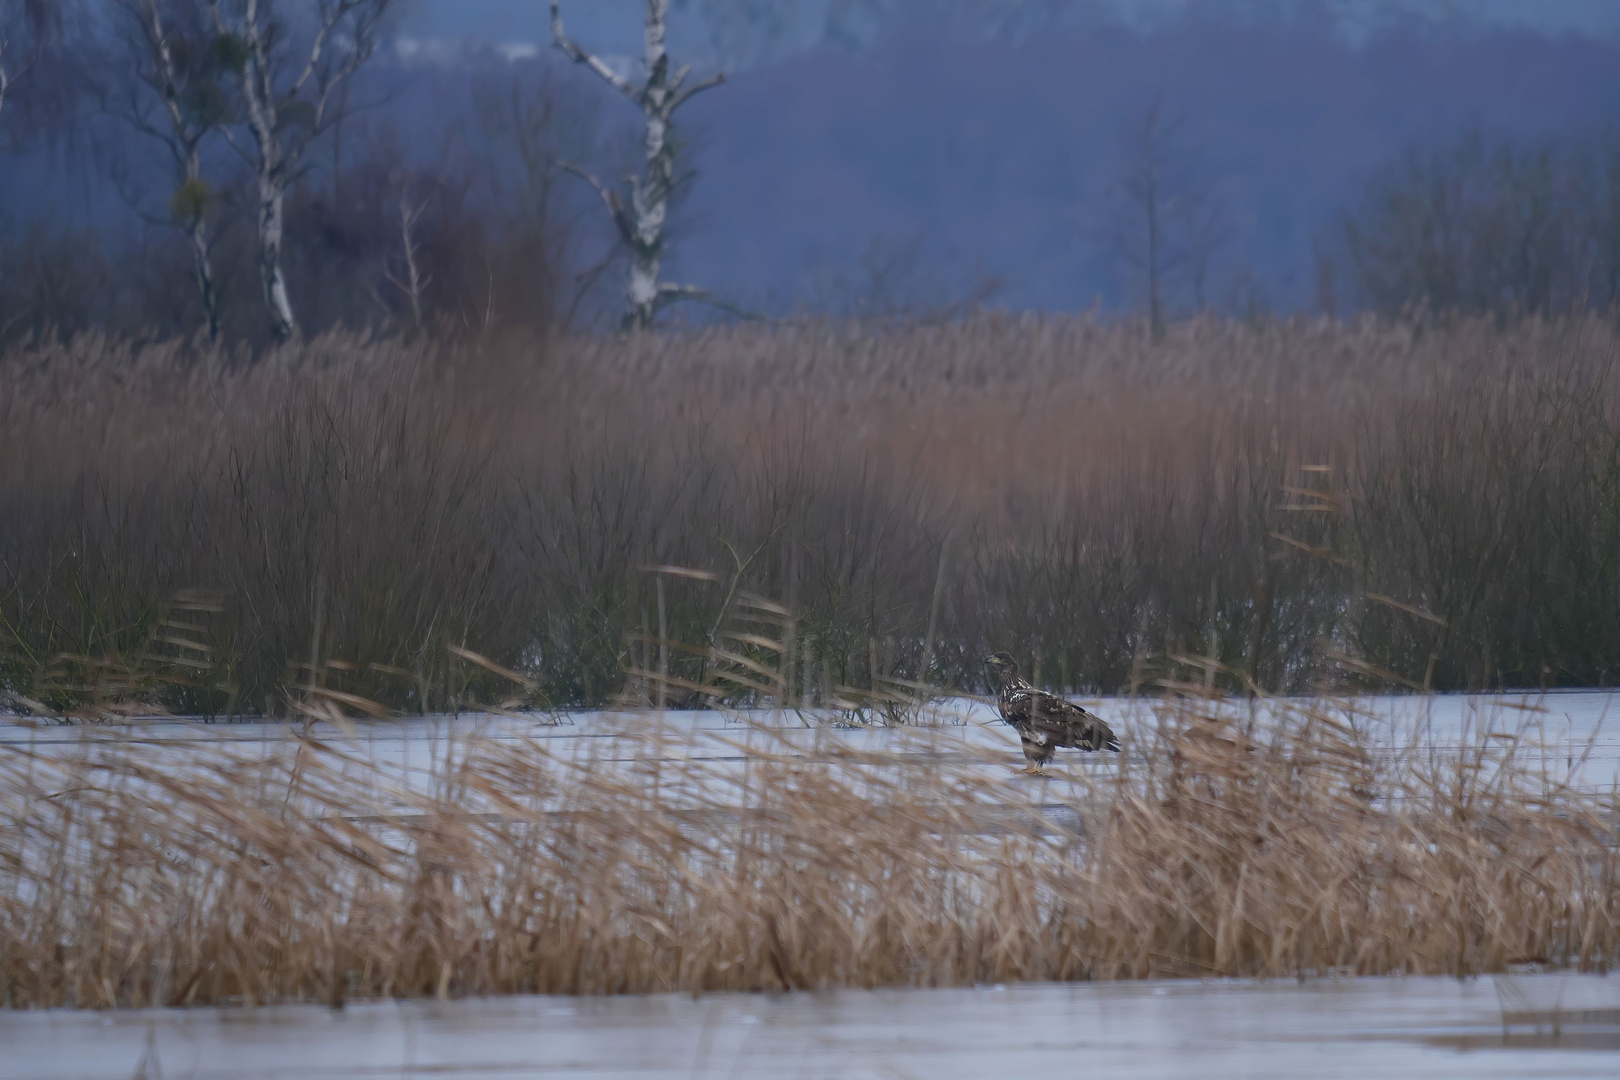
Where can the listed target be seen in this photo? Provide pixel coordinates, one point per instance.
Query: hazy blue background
(909, 150)
(863, 139)
(801, 23)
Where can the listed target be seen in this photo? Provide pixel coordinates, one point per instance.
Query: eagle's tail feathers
(1098, 736)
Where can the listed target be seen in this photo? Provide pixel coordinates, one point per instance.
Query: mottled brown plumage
(1045, 721)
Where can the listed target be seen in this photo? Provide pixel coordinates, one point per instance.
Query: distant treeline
(439, 198)
(254, 193)
(1486, 225)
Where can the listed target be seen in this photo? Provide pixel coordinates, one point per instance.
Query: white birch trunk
(272, 216)
(201, 252)
(414, 283)
(345, 35)
(259, 93)
(188, 140)
(650, 195)
(641, 228)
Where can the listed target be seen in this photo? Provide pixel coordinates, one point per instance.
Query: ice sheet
(1428, 1028)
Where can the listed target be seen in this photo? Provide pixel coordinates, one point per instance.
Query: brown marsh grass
(1438, 501)
(135, 875)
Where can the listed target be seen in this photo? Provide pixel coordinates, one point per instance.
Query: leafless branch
(669, 294)
(590, 60)
(164, 78)
(345, 38)
(361, 47)
(642, 219)
(156, 68)
(585, 281)
(683, 96)
(415, 283)
(609, 197)
(329, 18)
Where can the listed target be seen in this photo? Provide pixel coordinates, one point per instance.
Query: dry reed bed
(1439, 501)
(132, 878)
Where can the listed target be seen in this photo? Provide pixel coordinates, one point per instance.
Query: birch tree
(289, 97)
(175, 62)
(642, 216)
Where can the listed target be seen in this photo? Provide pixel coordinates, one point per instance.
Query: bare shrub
(1486, 224)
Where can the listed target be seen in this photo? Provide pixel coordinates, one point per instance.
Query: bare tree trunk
(641, 227)
(270, 164)
(650, 194)
(414, 283)
(5, 81)
(259, 93)
(186, 138)
(201, 254)
(1147, 185)
(1173, 228)
(344, 38)
(272, 225)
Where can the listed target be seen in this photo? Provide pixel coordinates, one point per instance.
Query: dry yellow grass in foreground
(133, 875)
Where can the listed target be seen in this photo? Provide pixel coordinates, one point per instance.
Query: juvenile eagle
(1045, 721)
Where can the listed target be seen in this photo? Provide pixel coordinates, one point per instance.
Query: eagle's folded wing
(1067, 724)
(1018, 706)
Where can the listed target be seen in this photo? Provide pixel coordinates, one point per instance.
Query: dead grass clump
(136, 875)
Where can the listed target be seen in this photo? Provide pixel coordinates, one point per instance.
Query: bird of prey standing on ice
(1045, 721)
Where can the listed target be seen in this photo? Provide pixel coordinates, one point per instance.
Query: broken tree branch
(609, 197)
(580, 56)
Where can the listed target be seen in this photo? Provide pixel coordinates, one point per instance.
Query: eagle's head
(1004, 666)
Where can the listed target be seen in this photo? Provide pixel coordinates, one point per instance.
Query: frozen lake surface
(1425, 1028)
(1553, 728)
(1546, 1025)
